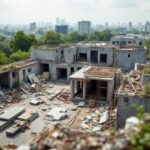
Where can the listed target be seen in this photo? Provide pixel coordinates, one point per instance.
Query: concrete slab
(12, 113)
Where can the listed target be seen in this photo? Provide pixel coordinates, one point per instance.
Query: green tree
(100, 36)
(3, 58)
(19, 55)
(5, 47)
(23, 42)
(75, 37)
(52, 38)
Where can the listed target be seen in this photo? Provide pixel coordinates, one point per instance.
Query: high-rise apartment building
(32, 26)
(84, 27)
(62, 29)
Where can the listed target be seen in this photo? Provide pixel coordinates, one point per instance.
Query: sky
(97, 11)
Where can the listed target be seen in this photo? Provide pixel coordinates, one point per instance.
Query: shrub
(146, 71)
(19, 55)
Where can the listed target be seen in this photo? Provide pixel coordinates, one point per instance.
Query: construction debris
(132, 83)
(45, 76)
(64, 96)
(57, 114)
(33, 78)
(64, 138)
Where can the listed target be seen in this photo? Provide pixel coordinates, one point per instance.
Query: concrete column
(10, 80)
(98, 57)
(88, 55)
(72, 89)
(68, 72)
(84, 90)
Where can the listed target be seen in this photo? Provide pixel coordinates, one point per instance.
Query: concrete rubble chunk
(23, 147)
(74, 108)
(132, 122)
(1, 93)
(96, 129)
(24, 96)
(104, 117)
(81, 104)
(34, 102)
(57, 114)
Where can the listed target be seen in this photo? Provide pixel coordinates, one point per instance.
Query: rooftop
(130, 47)
(128, 37)
(102, 73)
(16, 65)
(54, 47)
(94, 44)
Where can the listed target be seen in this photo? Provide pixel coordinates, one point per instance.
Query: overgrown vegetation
(146, 71)
(147, 44)
(3, 58)
(19, 55)
(141, 140)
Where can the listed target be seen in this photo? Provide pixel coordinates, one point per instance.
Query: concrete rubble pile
(64, 96)
(7, 96)
(99, 120)
(57, 114)
(62, 138)
(132, 82)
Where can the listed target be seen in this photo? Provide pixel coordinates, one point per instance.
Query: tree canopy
(52, 38)
(18, 48)
(23, 42)
(3, 58)
(100, 36)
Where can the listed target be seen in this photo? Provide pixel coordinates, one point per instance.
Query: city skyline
(97, 11)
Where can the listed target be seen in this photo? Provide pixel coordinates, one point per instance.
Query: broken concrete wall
(140, 55)
(126, 58)
(125, 107)
(44, 54)
(145, 79)
(109, 52)
(85, 50)
(25, 71)
(127, 40)
(101, 50)
(70, 55)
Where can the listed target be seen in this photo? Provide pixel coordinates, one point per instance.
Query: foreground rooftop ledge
(16, 65)
(95, 73)
(53, 47)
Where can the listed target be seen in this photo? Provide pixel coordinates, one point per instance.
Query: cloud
(99, 11)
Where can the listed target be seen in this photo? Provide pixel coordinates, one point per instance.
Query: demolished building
(95, 84)
(63, 60)
(95, 71)
(15, 73)
(131, 95)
